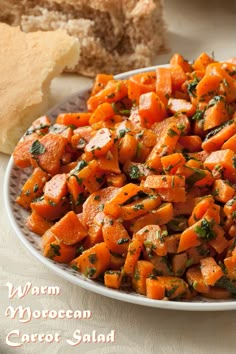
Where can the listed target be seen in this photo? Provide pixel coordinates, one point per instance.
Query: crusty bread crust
(28, 63)
(115, 36)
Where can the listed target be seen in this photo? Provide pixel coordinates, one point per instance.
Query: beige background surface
(194, 26)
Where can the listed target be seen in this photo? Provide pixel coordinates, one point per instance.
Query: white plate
(15, 178)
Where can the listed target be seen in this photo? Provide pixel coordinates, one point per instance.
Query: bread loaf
(115, 35)
(28, 63)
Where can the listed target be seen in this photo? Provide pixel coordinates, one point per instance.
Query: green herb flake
(37, 148)
(205, 231)
(138, 207)
(121, 241)
(90, 271)
(92, 258)
(171, 132)
(80, 165)
(134, 172)
(55, 249)
(36, 188)
(234, 161)
(75, 267)
(122, 132)
(97, 197)
(191, 87)
(101, 207)
(196, 176)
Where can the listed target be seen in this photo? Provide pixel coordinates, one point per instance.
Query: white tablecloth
(194, 26)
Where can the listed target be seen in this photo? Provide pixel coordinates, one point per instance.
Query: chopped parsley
(191, 87)
(55, 250)
(121, 241)
(171, 132)
(134, 172)
(92, 258)
(122, 132)
(36, 188)
(138, 207)
(205, 231)
(37, 148)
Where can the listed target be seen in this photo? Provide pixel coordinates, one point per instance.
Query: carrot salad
(140, 191)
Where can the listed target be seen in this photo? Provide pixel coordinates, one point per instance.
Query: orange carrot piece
(116, 180)
(210, 270)
(164, 182)
(59, 252)
(141, 83)
(76, 119)
(112, 206)
(103, 112)
(155, 289)
(21, 153)
(172, 243)
(200, 209)
(114, 91)
(47, 152)
(127, 148)
(215, 142)
(151, 237)
(230, 144)
(223, 191)
(189, 238)
(116, 262)
(32, 188)
(160, 216)
(100, 82)
(100, 144)
(174, 287)
(50, 211)
(95, 203)
(177, 105)
(223, 158)
(134, 250)
(219, 243)
(191, 143)
(230, 265)
(56, 188)
(110, 163)
(69, 229)
(178, 76)
(151, 108)
(171, 162)
(143, 269)
(93, 262)
(196, 280)
(37, 224)
(175, 195)
(202, 62)
(215, 115)
(208, 87)
(218, 293)
(178, 59)
(163, 83)
(179, 262)
(139, 207)
(112, 279)
(115, 236)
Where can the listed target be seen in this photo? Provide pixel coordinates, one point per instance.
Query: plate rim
(91, 285)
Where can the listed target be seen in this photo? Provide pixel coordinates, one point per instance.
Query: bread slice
(28, 63)
(115, 35)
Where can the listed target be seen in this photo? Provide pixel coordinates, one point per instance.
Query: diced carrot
(179, 262)
(116, 180)
(103, 112)
(100, 144)
(215, 115)
(163, 83)
(175, 195)
(155, 289)
(208, 87)
(112, 206)
(134, 250)
(214, 142)
(230, 144)
(116, 261)
(177, 105)
(47, 152)
(171, 162)
(32, 188)
(230, 265)
(142, 270)
(141, 83)
(151, 237)
(76, 119)
(219, 243)
(93, 262)
(59, 252)
(112, 279)
(139, 207)
(21, 153)
(50, 211)
(95, 203)
(115, 236)
(151, 108)
(127, 148)
(222, 191)
(114, 91)
(181, 121)
(223, 158)
(172, 243)
(56, 188)
(196, 280)
(109, 162)
(200, 209)
(37, 224)
(178, 76)
(69, 229)
(100, 82)
(210, 270)
(191, 143)
(202, 62)
(174, 287)
(164, 182)
(178, 59)
(189, 238)
(218, 293)
(160, 216)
